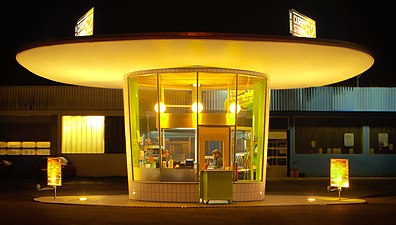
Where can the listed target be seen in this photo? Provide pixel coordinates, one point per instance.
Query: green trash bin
(216, 185)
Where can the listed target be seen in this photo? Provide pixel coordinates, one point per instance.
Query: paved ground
(17, 205)
(270, 201)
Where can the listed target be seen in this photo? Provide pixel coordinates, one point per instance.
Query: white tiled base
(248, 191)
(189, 191)
(165, 192)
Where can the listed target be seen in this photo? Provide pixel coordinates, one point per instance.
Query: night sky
(367, 23)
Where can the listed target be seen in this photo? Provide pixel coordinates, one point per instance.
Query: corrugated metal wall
(214, 100)
(43, 98)
(354, 99)
(364, 99)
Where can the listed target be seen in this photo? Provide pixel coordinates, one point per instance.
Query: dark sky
(367, 23)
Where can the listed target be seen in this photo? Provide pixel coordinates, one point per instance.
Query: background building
(307, 127)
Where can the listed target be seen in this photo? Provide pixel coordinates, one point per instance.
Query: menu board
(339, 173)
(54, 171)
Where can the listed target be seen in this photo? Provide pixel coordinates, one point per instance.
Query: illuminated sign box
(301, 25)
(339, 173)
(84, 26)
(54, 171)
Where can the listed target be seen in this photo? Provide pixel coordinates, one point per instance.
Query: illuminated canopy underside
(288, 62)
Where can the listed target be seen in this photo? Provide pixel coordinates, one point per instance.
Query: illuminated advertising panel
(54, 171)
(339, 173)
(301, 25)
(84, 26)
(245, 99)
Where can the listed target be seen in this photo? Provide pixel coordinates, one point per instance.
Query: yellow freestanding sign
(54, 171)
(339, 173)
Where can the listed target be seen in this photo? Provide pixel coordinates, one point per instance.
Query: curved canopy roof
(289, 62)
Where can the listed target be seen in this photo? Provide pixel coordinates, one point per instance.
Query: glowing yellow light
(311, 199)
(234, 108)
(83, 199)
(162, 107)
(197, 107)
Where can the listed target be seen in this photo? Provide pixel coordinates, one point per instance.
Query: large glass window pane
(244, 154)
(178, 127)
(259, 126)
(216, 90)
(179, 163)
(144, 132)
(250, 109)
(177, 91)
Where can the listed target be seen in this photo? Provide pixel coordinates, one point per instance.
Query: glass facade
(177, 117)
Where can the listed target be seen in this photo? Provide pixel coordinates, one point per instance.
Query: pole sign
(54, 171)
(339, 173)
(301, 25)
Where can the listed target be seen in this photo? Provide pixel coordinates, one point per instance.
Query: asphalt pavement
(18, 206)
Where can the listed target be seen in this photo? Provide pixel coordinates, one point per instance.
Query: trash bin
(294, 173)
(216, 185)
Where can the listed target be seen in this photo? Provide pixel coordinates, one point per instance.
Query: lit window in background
(83, 134)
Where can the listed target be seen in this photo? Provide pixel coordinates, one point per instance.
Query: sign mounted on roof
(301, 25)
(84, 26)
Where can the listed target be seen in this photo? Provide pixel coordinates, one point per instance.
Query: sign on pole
(339, 173)
(54, 171)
